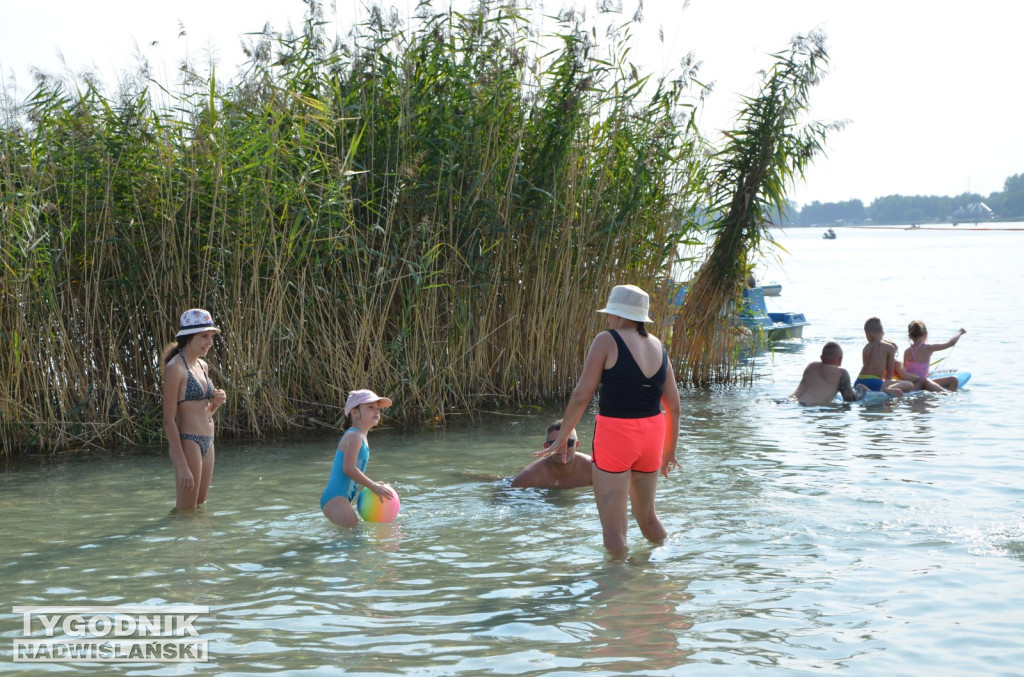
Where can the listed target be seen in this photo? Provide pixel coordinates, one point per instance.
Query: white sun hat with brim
(195, 321)
(629, 302)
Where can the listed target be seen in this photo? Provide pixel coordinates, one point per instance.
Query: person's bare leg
(903, 385)
(611, 492)
(207, 476)
(932, 386)
(188, 499)
(643, 486)
(340, 511)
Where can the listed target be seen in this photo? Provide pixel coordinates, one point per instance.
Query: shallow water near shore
(861, 540)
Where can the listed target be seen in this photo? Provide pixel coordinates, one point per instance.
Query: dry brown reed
(424, 214)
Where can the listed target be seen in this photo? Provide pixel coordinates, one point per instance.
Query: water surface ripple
(865, 540)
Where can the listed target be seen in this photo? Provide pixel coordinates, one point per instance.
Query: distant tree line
(1007, 205)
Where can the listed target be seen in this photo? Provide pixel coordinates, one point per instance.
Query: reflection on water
(871, 540)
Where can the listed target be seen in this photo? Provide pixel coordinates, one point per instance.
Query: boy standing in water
(823, 379)
(879, 362)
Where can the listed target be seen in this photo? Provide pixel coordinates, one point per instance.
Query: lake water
(859, 540)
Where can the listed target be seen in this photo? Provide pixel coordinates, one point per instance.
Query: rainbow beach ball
(373, 508)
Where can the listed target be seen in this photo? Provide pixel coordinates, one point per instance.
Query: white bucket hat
(629, 302)
(357, 397)
(195, 321)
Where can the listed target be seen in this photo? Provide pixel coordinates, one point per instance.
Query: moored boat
(764, 325)
(770, 326)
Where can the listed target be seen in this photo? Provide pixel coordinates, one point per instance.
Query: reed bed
(433, 212)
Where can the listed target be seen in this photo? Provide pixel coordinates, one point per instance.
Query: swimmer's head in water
(571, 443)
(832, 352)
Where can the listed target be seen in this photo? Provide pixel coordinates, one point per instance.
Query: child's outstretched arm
(951, 342)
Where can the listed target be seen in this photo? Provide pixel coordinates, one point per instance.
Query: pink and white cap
(357, 397)
(195, 321)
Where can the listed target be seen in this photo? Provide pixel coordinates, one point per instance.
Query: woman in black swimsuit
(189, 402)
(637, 428)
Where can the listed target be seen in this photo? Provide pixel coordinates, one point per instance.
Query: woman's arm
(219, 396)
(173, 376)
(670, 400)
(583, 393)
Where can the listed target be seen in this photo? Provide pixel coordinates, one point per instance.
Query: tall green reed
(746, 185)
(434, 212)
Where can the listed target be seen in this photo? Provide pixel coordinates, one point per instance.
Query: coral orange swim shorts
(622, 444)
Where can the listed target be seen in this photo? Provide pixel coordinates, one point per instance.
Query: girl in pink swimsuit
(917, 358)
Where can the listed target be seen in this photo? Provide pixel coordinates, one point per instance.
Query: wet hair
(831, 349)
(916, 329)
(641, 328)
(873, 324)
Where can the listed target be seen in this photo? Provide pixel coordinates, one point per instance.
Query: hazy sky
(931, 88)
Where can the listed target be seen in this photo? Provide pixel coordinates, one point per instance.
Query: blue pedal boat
(754, 315)
(773, 326)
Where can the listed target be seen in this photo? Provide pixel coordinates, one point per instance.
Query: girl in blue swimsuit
(362, 412)
(189, 402)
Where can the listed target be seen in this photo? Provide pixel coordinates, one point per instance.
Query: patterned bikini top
(193, 391)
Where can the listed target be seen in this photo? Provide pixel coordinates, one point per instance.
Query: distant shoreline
(948, 226)
(938, 227)
(904, 226)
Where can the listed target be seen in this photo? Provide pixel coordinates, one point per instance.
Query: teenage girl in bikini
(189, 402)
